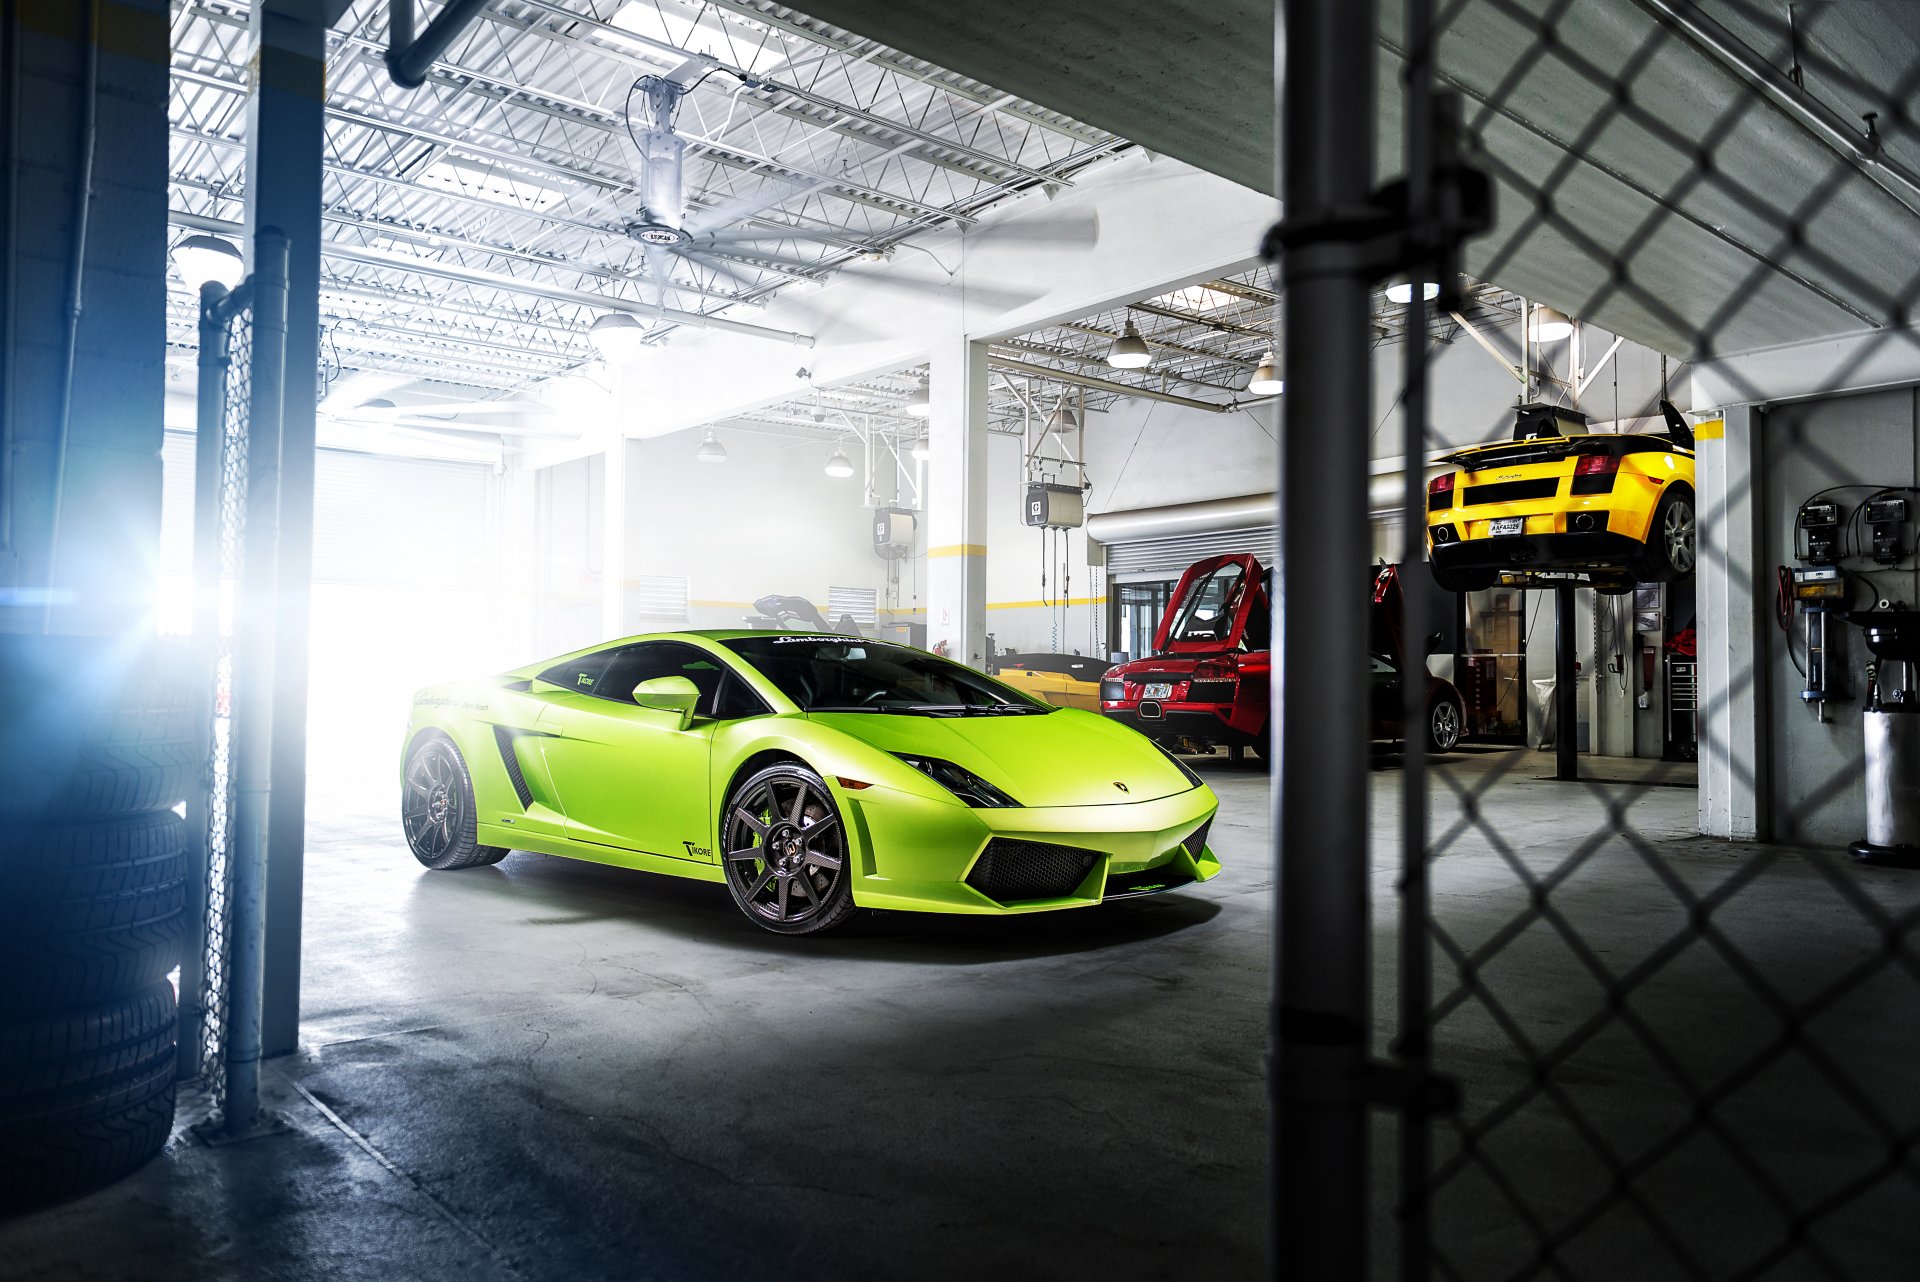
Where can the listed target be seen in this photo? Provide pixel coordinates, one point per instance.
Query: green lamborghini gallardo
(813, 775)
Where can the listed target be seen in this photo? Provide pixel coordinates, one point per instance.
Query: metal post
(209, 430)
(1566, 705)
(253, 685)
(1411, 1047)
(287, 125)
(1322, 1018)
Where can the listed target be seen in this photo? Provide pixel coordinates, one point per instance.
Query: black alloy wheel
(437, 811)
(784, 850)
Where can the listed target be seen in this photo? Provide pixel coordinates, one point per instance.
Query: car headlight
(961, 782)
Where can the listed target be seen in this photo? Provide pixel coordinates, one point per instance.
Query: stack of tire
(97, 745)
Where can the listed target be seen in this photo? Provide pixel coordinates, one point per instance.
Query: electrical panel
(892, 532)
(1887, 519)
(1057, 507)
(1820, 522)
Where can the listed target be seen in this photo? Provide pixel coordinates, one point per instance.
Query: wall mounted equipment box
(892, 531)
(1057, 507)
(1886, 518)
(1822, 583)
(1821, 523)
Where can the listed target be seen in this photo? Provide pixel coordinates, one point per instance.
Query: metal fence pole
(209, 431)
(1566, 702)
(253, 685)
(1322, 1019)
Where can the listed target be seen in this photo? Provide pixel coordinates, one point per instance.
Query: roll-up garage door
(1167, 555)
(393, 520)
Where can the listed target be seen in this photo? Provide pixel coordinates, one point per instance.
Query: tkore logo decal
(697, 852)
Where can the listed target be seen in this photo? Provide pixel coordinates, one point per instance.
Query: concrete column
(1731, 605)
(285, 138)
(957, 501)
(83, 122)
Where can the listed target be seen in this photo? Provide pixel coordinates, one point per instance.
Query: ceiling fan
(665, 229)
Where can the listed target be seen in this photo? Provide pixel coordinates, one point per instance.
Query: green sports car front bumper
(922, 855)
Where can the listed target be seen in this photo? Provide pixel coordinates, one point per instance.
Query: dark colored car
(1209, 675)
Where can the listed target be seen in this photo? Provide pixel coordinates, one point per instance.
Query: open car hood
(1061, 758)
(1246, 620)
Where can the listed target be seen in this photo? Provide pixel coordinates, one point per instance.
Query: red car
(1208, 678)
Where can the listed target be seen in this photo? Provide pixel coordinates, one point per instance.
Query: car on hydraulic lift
(1207, 680)
(1611, 509)
(1064, 680)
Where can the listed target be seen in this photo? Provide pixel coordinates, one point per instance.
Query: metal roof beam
(1107, 385)
(510, 284)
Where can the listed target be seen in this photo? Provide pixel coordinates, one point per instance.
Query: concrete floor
(555, 1070)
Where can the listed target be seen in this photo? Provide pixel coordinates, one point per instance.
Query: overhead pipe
(1840, 133)
(1107, 385)
(409, 57)
(511, 284)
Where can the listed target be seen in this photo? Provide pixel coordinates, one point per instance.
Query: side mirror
(676, 695)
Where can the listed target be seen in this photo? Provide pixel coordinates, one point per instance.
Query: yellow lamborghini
(1611, 509)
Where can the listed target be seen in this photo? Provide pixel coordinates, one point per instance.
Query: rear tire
(1670, 549)
(437, 809)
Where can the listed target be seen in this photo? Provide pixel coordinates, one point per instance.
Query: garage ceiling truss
(491, 207)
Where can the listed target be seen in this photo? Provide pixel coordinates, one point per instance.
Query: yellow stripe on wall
(1711, 430)
(1039, 605)
(959, 549)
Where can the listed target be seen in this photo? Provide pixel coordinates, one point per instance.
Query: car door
(630, 778)
(1384, 689)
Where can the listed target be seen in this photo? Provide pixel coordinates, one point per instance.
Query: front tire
(437, 810)
(1444, 720)
(784, 849)
(1670, 550)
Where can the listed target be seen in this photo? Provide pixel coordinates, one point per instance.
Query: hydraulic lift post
(1565, 694)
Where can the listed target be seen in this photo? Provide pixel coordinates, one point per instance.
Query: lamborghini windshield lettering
(835, 674)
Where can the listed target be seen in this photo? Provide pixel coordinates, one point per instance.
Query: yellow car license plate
(1157, 690)
(1507, 525)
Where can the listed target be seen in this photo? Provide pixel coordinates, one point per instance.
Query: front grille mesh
(1196, 841)
(1013, 869)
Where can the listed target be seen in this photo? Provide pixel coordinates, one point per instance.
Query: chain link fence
(1616, 1047)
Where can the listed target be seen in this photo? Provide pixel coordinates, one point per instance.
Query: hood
(1062, 758)
(1220, 604)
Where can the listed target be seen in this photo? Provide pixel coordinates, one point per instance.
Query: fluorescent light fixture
(1199, 298)
(1266, 380)
(1401, 291)
(204, 258)
(922, 447)
(1548, 324)
(920, 404)
(616, 336)
(1129, 351)
(840, 465)
(711, 450)
(489, 182)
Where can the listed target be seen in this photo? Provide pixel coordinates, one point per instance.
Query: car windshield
(838, 674)
(1206, 612)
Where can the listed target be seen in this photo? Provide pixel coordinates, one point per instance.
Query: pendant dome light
(209, 258)
(616, 336)
(920, 404)
(711, 450)
(1401, 291)
(840, 465)
(1266, 380)
(1129, 351)
(1548, 324)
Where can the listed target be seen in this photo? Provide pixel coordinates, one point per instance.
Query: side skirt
(516, 839)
